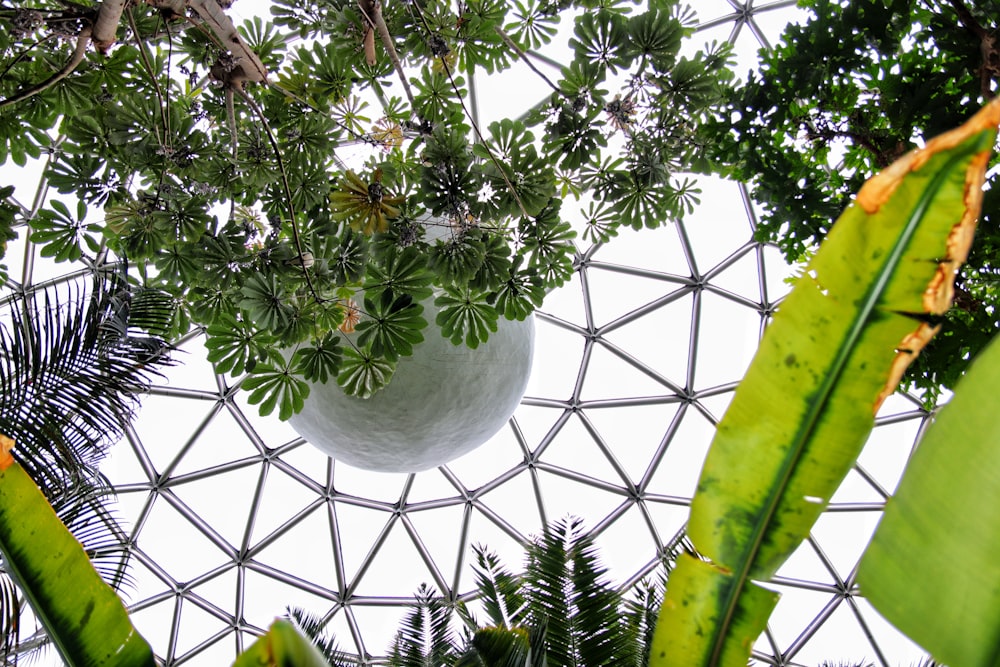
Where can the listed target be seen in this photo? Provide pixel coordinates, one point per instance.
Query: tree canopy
(843, 95)
(287, 181)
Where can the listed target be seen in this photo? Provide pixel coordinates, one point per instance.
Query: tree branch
(106, 24)
(82, 42)
(989, 48)
(249, 67)
(372, 14)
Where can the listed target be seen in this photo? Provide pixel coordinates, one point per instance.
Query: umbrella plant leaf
(836, 348)
(941, 529)
(82, 614)
(465, 315)
(272, 386)
(393, 326)
(362, 374)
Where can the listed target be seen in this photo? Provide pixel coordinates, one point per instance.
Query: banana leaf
(838, 345)
(281, 646)
(82, 614)
(932, 568)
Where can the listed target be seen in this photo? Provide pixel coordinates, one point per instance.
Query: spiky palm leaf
(425, 638)
(312, 626)
(505, 647)
(499, 589)
(72, 360)
(10, 615)
(70, 368)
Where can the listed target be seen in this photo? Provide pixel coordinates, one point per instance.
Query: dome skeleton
(272, 457)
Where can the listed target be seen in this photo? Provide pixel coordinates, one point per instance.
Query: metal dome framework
(227, 517)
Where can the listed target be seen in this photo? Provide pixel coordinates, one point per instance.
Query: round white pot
(443, 401)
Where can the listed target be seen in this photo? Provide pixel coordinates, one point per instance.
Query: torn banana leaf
(837, 347)
(81, 613)
(932, 568)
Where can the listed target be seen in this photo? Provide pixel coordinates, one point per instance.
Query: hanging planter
(443, 401)
(265, 198)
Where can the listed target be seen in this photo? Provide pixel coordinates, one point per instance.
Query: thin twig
(524, 56)
(24, 52)
(296, 237)
(472, 121)
(378, 21)
(152, 75)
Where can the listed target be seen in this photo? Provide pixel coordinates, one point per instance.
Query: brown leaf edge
(940, 290)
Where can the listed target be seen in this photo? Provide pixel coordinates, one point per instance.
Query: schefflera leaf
(835, 350)
(932, 568)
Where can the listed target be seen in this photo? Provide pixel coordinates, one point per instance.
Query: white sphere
(442, 402)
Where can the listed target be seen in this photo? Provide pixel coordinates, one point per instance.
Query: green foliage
(392, 327)
(261, 207)
(273, 386)
(362, 374)
(83, 616)
(835, 350)
(940, 523)
(465, 315)
(840, 97)
(70, 362)
(561, 610)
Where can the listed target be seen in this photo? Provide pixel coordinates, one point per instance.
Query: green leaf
(548, 244)
(465, 314)
(234, 346)
(272, 387)
(400, 272)
(836, 348)
(281, 646)
(82, 614)
(518, 297)
(62, 234)
(319, 361)
(363, 374)
(264, 301)
(941, 529)
(392, 327)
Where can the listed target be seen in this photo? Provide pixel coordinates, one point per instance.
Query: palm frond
(499, 589)
(547, 581)
(641, 611)
(425, 638)
(10, 616)
(602, 636)
(71, 365)
(313, 627)
(93, 522)
(506, 647)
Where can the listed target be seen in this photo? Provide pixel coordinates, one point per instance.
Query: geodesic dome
(227, 518)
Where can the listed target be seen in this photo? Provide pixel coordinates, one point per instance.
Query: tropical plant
(82, 614)
(219, 161)
(868, 302)
(71, 369)
(561, 610)
(839, 98)
(72, 360)
(84, 617)
(940, 529)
